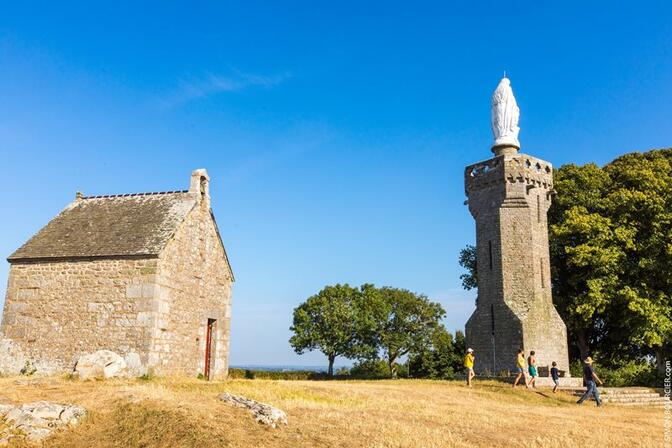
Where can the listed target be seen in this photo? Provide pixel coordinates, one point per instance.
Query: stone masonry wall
(194, 285)
(56, 311)
(509, 197)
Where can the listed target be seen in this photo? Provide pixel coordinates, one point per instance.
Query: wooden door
(209, 346)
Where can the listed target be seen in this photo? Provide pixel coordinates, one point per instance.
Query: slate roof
(131, 225)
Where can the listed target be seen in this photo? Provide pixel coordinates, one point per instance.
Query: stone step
(627, 390)
(637, 400)
(627, 396)
(655, 404)
(634, 395)
(659, 401)
(612, 391)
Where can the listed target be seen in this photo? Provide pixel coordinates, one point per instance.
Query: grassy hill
(402, 413)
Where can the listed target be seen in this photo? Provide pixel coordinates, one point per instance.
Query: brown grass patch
(376, 414)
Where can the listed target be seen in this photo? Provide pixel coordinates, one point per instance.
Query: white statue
(505, 115)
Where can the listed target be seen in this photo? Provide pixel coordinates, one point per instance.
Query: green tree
(403, 321)
(641, 203)
(611, 253)
(334, 323)
(460, 349)
(437, 360)
(468, 261)
(586, 259)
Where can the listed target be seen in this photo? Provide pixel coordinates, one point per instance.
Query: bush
(628, 374)
(342, 372)
(376, 369)
(28, 369)
(370, 369)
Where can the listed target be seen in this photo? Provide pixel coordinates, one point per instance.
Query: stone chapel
(144, 275)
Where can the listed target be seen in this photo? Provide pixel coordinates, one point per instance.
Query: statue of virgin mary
(505, 114)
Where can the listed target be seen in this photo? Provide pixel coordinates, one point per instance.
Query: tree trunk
(392, 365)
(330, 372)
(582, 342)
(660, 361)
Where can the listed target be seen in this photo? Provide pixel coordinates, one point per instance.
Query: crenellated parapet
(518, 168)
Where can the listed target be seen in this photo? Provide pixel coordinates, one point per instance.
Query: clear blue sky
(335, 134)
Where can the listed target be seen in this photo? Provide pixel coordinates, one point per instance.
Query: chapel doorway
(209, 348)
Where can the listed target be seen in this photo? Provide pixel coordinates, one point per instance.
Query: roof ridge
(105, 196)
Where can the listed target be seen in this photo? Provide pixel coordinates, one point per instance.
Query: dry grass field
(404, 413)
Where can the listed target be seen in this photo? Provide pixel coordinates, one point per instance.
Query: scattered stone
(263, 413)
(101, 365)
(134, 364)
(38, 420)
(12, 359)
(4, 409)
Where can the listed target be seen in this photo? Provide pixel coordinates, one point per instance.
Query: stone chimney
(200, 186)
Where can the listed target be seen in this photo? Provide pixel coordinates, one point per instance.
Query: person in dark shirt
(590, 377)
(555, 374)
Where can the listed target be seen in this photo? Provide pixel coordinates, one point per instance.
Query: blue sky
(335, 133)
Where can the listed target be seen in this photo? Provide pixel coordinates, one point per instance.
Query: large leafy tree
(586, 259)
(334, 322)
(641, 202)
(611, 248)
(403, 321)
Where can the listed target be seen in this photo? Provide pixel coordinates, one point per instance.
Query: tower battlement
(517, 168)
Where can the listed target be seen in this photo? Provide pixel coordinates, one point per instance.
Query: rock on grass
(263, 413)
(38, 420)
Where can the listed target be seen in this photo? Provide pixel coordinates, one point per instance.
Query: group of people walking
(530, 366)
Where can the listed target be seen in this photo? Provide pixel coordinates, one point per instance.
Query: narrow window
(541, 265)
(538, 209)
(490, 253)
(492, 319)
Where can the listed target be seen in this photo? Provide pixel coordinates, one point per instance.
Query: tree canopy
(364, 323)
(332, 322)
(403, 321)
(611, 252)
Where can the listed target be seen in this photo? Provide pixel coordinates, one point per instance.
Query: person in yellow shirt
(520, 369)
(469, 365)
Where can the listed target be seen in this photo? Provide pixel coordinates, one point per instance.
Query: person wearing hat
(590, 377)
(469, 365)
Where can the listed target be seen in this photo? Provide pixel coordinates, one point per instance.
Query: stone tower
(509, 196)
